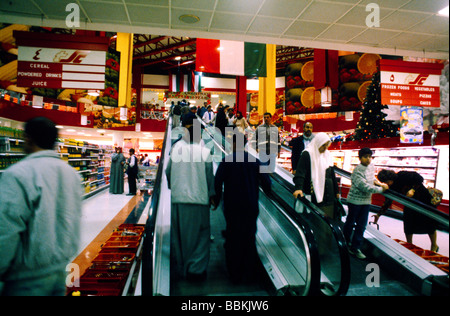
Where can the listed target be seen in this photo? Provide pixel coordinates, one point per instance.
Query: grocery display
(113, 269)
(91, 162)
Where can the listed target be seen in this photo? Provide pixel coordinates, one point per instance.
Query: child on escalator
(359, 199)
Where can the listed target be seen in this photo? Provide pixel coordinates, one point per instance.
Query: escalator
(403, 271)
(292, 255)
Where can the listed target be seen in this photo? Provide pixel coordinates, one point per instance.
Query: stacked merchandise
(114, 265)
(432, 257)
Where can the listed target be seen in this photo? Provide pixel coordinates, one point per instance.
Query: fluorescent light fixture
(70, 130)
(59, 126)
(444, 11)
(214, 95)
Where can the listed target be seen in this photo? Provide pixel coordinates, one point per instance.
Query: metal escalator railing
(431, 212)
(415, 271)
(336, 274)
(333, 275)
(150, 240)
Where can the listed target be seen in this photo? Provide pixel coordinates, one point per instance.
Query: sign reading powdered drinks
(59, 61)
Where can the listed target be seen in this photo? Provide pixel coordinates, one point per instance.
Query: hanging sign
(58, 61)
(410, 83)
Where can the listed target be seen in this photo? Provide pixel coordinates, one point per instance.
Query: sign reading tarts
(410, 83)
(59, 61)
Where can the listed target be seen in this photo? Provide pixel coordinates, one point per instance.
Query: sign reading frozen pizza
(410, 83)
(58, 61)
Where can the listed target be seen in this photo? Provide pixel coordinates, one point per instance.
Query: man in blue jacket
(40, 211)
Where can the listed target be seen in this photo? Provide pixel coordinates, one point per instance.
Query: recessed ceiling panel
(283, 8)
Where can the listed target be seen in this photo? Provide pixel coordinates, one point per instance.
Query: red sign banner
(410, 83)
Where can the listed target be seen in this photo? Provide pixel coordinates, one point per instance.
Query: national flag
(231, 58)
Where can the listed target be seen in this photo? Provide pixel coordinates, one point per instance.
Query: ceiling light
(444, 11)
(178, 58)
(70, 130)
(189, 18)
(59, 126)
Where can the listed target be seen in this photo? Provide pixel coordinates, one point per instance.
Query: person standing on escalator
(359, 200)
(240, 178)
(315, 176)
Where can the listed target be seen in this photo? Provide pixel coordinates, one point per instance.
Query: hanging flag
(231, 58)
(177, 82)
(194, 81)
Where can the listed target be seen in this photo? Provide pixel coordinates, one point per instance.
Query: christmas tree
(372, 123)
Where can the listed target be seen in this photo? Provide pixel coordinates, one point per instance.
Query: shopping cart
(146, 178)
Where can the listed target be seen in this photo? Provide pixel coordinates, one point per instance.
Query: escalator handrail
(302, 226)
(147, 252)
(413, 204)
(337, 233)
(340, 240)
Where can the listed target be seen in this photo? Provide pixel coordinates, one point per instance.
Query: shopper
(240, 122)
(116, 172)
(209, 116)
(221, 119)
(132, 172)
(266, 141)
(176, 114)
(359, 200)
(202, 110)
(241, 178)
(299, 144)
(40, 211)
(191, 181)
(315, 175)
(410, 183)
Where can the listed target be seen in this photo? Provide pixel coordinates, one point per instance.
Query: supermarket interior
(121, 74)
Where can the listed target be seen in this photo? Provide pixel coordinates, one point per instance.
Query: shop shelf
(114, 257)
(123, 239)
(109, 279)
(110, 266)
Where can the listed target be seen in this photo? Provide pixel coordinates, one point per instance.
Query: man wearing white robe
(191, 180)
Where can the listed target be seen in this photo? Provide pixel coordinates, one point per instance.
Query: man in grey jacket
(40, 210)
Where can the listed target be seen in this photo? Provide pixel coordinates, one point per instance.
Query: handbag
(436, 196)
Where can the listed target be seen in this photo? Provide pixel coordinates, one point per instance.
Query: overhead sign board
(61, 62)
(410, 83)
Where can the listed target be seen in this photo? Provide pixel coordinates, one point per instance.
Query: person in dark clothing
(221, 119)
(132, 172)
(410, 183)
(240, 178)
(299, 144)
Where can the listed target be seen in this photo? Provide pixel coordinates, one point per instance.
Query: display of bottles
(11, 132)
(6, 161)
